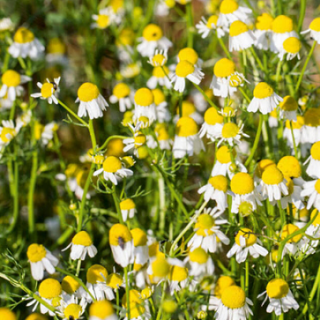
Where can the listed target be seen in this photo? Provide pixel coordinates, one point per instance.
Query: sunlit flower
(212, 126)
(121, 93)
(141, 250)
(200, 263)
(299, 133)
(314, 30)
(312, 125)
(290, 47)
(7, 132)
(292, 245)
(160, 76)
(102, 310)
(70, 287)
(128, 209)
(188, 110)
(56, 50)
(161, 104)
(205, 26)
(144, 104)
(159, 268)
(71, 309)
(159, 58)
(240, 36)
(48, 91)
(231, 133)
(314, 161)
(103, 19)
(163, 137)
(288, 108)
(311, 189)
(190, 55)
(263, 31)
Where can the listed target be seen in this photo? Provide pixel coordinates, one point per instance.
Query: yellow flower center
(139, 237)
(143, 97)
(112, 164)
(248, 235)
(228, 6)
(69, 285)
(115, 148)
(126, 37)
(272, 176)
(204, 221)
(315, 25)
(82, 238)
(242, 183)
(212, 116)
(233, 297)
(127, 204)
(188, 108)
(186, 127)
(159, 59)
(160, 72)
(47, 90)
(237, 27)
(169, 306)
(23, 35)
(198, 255)
(230, 130)
(11, 78)
(142, 152)
(152, 32)
(317, 186)
(101, 309)
(219, 182)
(245, 208)
(288, 104)
(146, 293)
(289, 229)
(56, 46)
(116, 5)
(72, 311)
(316, 221)
(212, 21)
(315, 151)
(160, 267)
(264, 22)
(96, 273)
(103, 21)
(224, 68)
(262, 90)
(128, 161)
(36, 252)
(189, 55)
(235, 81)
(119, 234)
(263, 165)
(222, 283)
(273, 114)
(158, 96)
(277, 289)
(163, 134)
(121, 90)
(312, 117)
(290, 166)
(282, 24)
(139, 140)
(114, 280)
(7, 314)
(223, 155)
(184, 68)
(50, 288)
(88, 92)
(178, 273)
(292, 45)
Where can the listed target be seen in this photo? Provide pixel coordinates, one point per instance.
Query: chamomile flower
(246, 242)
(264, 99)
(41, 259)
(161, 104)
(144, 104)
(11, 84)
(7, 314)
(141, 250)
(273, 119)
(292, 245)
(163, 137)
(307, 245)
(290, 47)
(313, 169)
(282, 29)
(205, 26)
(190, 55)
(121, 93)
(178, 276)
(138, 140)
(212, 126)
(263, 31)
(298, 133)
(231, 133)
(222, 283)
(311, 189)
(81, 245)
(240, 36)
(185, 70)
(314, 30)
(280, 296)
(200, 263)
(48, 91)
(113, 170)
(288, 108)
(139, 309)
(70, 286)
(6, 24)
(159, 268)
(121, 243)
(216, 189)
(35, 316)
(152, 39)
(71, 309)
(159, 59)
(160, 76)
(312, 125)
(189, 110)
(128, 209)
(186, 141)
(103, 19)
(102, 310)
(91, 101)
(208, 233)
(25, 44)
(56, 51)
(290, 167)
(230, 11)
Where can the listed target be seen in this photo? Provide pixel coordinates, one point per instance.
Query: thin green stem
(303, 5)
(127, 292)
(224, 48)
(206, 97)
(116, 203)
(257, 59)
(293, 141)
(72, 113)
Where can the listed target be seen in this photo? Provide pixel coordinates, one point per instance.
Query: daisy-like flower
(273, 119)
(290, 167)
(264, 99)
(25, 44)
(45, 133)
(159, 58)
(138, 141)
(91, 101)
(71, 309)
(102, 310)
(282, 29)
(311, 189)
(121, 244)
(130, 70)
(121, 93)
(312, 125)
(224, 165)
(233, 304)
(216, 189)
(189, 110)
(56, 51)
(208, 233)
(178, 276)
(7, 132)
(159, 267)
(212, 126)
(240, 36)
(246, 242)
(139, 309)
(48, 91)
(160, 76)
(314, 161)
(163, 137)
(141, 250)
(162, 111)
(263, 31)
(185, 70)
(299, 133)
(231, 133)
(144, 104)
(190, 55)
(290, 47)
(200, 263)
(288, 108)
(222, 283)
(230, 11)
(205, 26)
(307, 245)
(113, 170)
(243, 191)
(128, 209)
(81, 245)
(186, 141)
(280, 296)
(41, 259)
(11, 84)
(70, 287)
(103, 19)
(152, 38)
(292, 245)
(314, 30)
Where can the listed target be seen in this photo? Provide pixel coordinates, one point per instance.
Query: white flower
(240, 37)
(102, 20)
(121, 93)
(311, 189)
(204, 27)
(313, 169)
(263, 31)
(200, 263)
(128, 209)
(144, 105)
(11, 84)
(141, 250)
(48, 91)
(314, 28)
(290, 47)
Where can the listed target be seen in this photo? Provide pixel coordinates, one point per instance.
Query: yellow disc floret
(282, 24)
(114, 280)
(143, 97)
(7, 314)
(160, 267)
(103, 21)
(277, 289)
(223, 155)
(288, 104)
(290, 166)
(158, 96)
(50, 288)
(204, 221)
(289, 229)
(127, 204)
(119, 234)
(272, 176)
(101, 309)
(82, 238)
(212, 116)
(222, 283)
(186, 127)
(230, 130)
(72, 311)
(264, 22)
(219, 182)
(139, 237)
(70, 285)
(112, 164)
(88, 92)
(315, 151)
(292, 45)
(237, 27)
(212, 21)
(242, 183)
(224, 68)
(96, 273)
(189, 55)
(315, 24)
(36, 252)
(11, 78)
(248, 235)
(233, 297)
(184, 68)
(262, 90)
(121, 90)
(47, 90)
(23, 35)
(152, 32)
(199, 255)
(228, 6)
(263, 165)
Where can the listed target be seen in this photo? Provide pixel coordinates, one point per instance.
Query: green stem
(224, 48)
(117, 204)
(206, 97)
(110, 138)
(257, 59)
(244, 94)
(72, 113)
(127, 292)
(294, 141)
(92, 135)
(303, 5)
(33, 178)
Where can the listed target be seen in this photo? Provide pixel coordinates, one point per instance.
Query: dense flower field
(159, 159)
